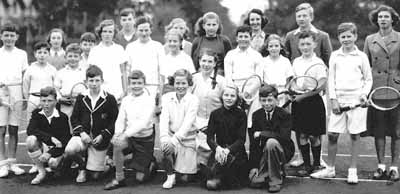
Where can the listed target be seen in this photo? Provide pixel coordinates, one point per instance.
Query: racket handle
(345, 108)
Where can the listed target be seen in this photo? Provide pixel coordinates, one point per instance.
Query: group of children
(202, 128)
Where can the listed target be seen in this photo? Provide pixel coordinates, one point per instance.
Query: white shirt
(350, 73)
(147, 58)
(83, 63)
(239, 65)
(66, 78)
(55, 114)
(277, 71)
(312, 29)
(109, 58)
(301, 66)
(93, 101)
(12, 64)
(209, 99)
(177, 117)
(170, 63)
(135, 117)
(37, 77)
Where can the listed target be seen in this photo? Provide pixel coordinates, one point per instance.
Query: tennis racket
(251, 88)
(382, 98)
(76, 89)
(298, 86)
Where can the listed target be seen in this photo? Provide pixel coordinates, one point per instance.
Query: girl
(175, 59)
(257, 21)
(226, 135)
(209, 29)
(180, 25)
(382, 49)
(177, 130)
(111, 58)
(207, 86)
(277, 68)
(56, 39)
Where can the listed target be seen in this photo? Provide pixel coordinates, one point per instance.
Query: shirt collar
(61, 52)
(67, 67)
(102, 93)
(354, 52)
(312, 29)
(55, 114)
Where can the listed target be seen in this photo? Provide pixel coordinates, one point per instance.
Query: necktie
(268, 116)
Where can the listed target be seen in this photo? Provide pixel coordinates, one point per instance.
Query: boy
(127, 34)
(349, 84)
(87, 42)
(243, 62)
(92, 120)
(145, 54)
(14, 61)
(308, 110)
(304, 16)
(270, 143)
(39, 74)
(134, 132)
(177, 130)
(48, 134)
(70, 75)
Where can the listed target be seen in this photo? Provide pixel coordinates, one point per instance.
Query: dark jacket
(95, 121)
(278, 127)
(58, 128)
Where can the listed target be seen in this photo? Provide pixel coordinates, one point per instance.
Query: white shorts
(353, 121)
(96, 160)
(7, 116)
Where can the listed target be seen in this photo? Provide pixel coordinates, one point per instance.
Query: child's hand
(253, 173)
(363, 101)
(44, 157)
(56, 142)
(85, 138)
(335, 106)
(257, 134)
(96, 141)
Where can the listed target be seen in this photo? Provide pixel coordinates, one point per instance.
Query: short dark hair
(243, 28)
(307, 34)
(9, 27)
(143, 20)
(93, 71)
(373, 15)
(73, 48)
(137, 74)
(63, 38)
(41, 45)
(264, 19)
(47, 91)
(88, 37)
(126, 11)
(268, 90)
(347, 26)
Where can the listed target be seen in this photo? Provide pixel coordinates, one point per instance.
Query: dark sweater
(95, 121)
(58, 128)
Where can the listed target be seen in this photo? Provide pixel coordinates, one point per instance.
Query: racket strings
(303, 84)
(251, 88)
(385, 98)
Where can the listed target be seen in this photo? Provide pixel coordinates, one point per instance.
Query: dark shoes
(379, 174)
(274, 188)
(394, 176)
(114, 184)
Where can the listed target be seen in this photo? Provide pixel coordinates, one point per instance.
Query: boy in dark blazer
(48, 134)
(270, 143)
(92, 120)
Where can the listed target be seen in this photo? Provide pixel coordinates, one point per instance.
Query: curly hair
(264, 19)
(178, 21)
(64, 39)
(373, 15)
(105, 23)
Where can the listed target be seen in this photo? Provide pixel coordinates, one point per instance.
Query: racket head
(251, 88)
(77, 89)
(317, 70)
(384, 98)
(301, 85)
